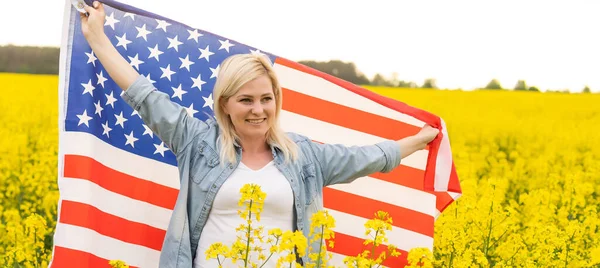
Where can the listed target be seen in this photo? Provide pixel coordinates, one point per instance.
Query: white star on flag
(110, 20)
(147, 131)
(131, 15)
(142, 32)
(135, 62)
(160, 149)
(135, 113)
(91, 58)
(198, 82)
(215, 71)
(88, 88)
(101, 79)
(174, 43)
(123, 42)
(166, 72)
(106, 129)
(130, 139)
(110, 100)
(162, 25)
(185, 62)
(120, 120)
(178, 92)
(256, 52)
(84, 118)
(150, 79)
(155, 52)
(225, 45)
(190, 110)
(205, 53)
(194, 35)
(99, 109)
(208, 101)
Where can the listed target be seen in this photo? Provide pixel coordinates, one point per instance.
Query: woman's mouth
(255, 121)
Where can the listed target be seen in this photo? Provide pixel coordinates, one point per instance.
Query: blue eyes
(247, 100)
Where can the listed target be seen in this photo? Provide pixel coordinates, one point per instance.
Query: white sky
(462, 44)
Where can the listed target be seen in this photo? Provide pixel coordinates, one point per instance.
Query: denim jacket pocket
(205, 161)
(309, 181)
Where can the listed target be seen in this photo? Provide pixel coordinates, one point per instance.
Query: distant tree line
(349, 72)
(26, 59)
(44, 60)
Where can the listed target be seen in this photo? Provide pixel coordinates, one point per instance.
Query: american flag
(118, 182)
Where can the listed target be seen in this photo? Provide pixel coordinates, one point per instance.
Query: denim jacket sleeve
(343, 164)
(167, 119)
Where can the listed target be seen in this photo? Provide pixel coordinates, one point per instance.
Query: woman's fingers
(88, 9)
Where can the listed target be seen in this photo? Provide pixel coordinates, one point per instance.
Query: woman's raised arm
(167, 119)
(92, 26)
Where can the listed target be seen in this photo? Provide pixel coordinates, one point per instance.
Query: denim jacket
(194, 143)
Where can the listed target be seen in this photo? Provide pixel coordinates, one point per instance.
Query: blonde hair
(235, 71)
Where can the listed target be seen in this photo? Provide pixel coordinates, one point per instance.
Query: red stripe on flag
(82, 167)
(366, 208)
(352, 246)
(367, 123)
(86, 216)
(66, 257)
(454, 184)
(346, 117)
(409, 177)
(443, 200)
(403, 175)
(387, 102)
(396, 105)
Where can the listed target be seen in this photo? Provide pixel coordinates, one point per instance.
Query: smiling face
(252, 108)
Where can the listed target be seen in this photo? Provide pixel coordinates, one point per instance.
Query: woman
(244, 145)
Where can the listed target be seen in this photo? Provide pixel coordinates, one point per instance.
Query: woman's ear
(223, 105)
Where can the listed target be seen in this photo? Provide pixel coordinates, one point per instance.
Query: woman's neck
(254, 146)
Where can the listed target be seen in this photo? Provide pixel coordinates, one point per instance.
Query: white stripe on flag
(335, 134)
(454, 195)
(320, 88)
(337, 260)
(390, 193)
(402, 238)
(443, 165)
(85, 144)
(87, 192)
(83, 239)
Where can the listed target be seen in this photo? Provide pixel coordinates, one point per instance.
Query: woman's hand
(92, 25)
(427, 134)
(417, 142)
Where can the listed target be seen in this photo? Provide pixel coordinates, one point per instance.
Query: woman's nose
(257, 108)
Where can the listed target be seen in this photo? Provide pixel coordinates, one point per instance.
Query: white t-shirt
(223, 219)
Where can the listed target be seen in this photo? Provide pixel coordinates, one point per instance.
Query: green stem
(568, 248)
(373, 247)
(451, 259)
(248, 235)
(487, 240)
(276, 241)
(320, 246)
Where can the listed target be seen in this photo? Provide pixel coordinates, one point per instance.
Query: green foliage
(586, 89)
(430, 83)
(494, 84)
(521, 85)
(45, 60)
(34, 60)
(343, 70)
